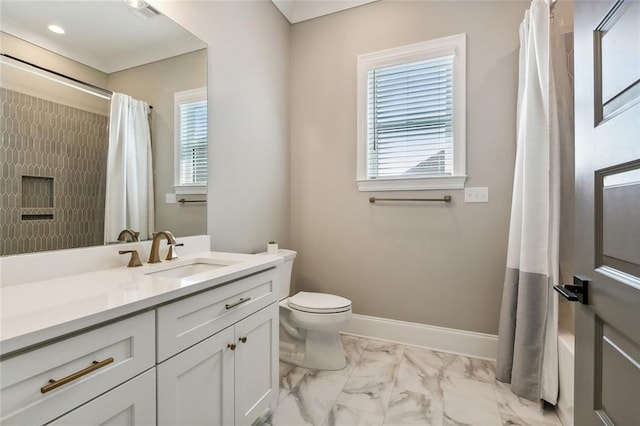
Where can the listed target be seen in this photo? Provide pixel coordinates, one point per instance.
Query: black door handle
(578, 292)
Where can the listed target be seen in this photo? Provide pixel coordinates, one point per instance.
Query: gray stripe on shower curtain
(521, 333)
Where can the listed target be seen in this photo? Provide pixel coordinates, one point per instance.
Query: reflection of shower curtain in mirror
(129, 194)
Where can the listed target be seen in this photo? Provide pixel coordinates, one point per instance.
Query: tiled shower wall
(53, 166)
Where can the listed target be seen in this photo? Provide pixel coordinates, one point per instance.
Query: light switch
(476, 195)
(170, 198)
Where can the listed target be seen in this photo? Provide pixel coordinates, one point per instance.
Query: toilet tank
(285, 272)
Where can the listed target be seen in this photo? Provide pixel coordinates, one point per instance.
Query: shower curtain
(527, 342)
(129, 189)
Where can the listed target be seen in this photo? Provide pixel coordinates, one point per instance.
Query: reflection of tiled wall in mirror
(57, 154)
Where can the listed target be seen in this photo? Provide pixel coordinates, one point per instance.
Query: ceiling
(110, 36)
(302, 10)
(107, 35)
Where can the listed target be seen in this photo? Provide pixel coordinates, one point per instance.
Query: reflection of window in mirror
(190, 164)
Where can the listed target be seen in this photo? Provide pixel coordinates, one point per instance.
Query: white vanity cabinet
(40, 385)
(230, 377)
(203, 358)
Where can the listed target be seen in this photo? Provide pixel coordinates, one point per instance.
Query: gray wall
(248, 45)
(434, 264)
(156, 84)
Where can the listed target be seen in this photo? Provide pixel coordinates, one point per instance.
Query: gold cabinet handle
(239, 302)
(71, 377)
(243, 339)
(231, 346)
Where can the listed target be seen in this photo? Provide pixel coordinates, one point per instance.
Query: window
(191, 141)
(411, 117)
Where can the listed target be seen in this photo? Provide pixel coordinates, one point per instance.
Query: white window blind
(410, 119)
(190, 153)
(193, 143)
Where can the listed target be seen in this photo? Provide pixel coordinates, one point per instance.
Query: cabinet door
(195, 387)
(256, 387)
(132, 403)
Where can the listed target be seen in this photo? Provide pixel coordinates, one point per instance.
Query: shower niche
(37, 198)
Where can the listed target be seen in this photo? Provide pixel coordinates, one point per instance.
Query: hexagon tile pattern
(52, 164)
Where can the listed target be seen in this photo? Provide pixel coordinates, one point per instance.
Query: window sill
(411, 184)
(190, 189)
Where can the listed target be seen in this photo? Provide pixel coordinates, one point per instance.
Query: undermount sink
(192, 267)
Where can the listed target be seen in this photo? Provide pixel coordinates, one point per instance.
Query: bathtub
(566, 353)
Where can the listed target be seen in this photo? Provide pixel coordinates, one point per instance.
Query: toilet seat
(319, 303)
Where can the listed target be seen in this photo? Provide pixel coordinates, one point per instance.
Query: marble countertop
(35, 312)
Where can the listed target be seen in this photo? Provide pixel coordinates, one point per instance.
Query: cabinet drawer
(131, 403)
(186, 322)
(129, 343)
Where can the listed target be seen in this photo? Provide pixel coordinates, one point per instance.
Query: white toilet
(310, 324)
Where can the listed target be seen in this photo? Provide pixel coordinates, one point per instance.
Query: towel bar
(446, 199)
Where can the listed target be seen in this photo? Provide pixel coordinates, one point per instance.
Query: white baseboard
(468, 343)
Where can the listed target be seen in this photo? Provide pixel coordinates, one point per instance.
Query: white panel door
(256, 365)
(132, 403)
(196, 386)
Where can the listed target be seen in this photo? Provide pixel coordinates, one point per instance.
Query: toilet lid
(321, 303)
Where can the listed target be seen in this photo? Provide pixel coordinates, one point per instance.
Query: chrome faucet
(154, 256)
(134, 235)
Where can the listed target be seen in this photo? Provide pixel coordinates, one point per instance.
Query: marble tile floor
(391, 384)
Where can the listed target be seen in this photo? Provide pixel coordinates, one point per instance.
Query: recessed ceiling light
(56, 29)
(136, 4)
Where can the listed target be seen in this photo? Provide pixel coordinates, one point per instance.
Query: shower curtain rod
(56, 73)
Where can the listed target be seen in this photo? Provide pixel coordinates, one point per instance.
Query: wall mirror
(55, 130)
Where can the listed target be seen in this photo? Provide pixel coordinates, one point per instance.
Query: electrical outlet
(476, 195)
